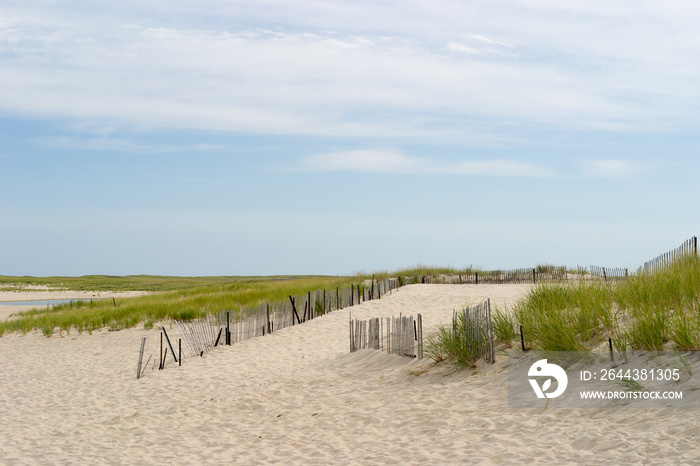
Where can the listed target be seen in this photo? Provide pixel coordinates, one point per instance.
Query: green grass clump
(643, 312)
(648, 331)
(457, 344)
(560, 317)
(504, 327)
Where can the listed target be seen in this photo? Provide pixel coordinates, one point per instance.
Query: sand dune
(298, 396)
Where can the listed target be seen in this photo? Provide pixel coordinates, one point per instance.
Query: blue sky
(314, 137)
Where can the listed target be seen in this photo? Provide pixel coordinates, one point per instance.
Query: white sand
(297, 396)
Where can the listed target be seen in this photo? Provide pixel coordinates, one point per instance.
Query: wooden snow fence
(401, 335)
(473, 329)
(233, 326)
(538, 274)
(200, 335)
(689, 247)
(609, 273)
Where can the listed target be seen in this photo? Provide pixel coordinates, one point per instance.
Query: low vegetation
(190, 301)
(457, 343)
(173, 297)
(643, 312)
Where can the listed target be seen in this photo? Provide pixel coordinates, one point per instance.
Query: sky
(223, 137)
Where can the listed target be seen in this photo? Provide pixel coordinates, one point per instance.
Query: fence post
(143, 344)
(420, 336)
(311, 311)
(294, 309)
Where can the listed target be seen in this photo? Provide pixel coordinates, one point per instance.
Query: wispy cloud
(345, 70)
(123, 145)
(396, 163)
(488, 40)
(612, 168)
(457, 47)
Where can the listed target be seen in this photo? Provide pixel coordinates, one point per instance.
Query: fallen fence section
(401, 335)
(689, 247)
(477, 338)
(199, 335)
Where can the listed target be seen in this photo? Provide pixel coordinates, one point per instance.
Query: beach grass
(155, 283)
(180, 298)
(457, 343)
(504, 327)
(184, 303)
(642, 312)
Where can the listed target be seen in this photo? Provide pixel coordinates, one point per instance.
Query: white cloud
(457, 47)
(395, 163)
(124, 145)
(272, 67)
(487, 40)
(362, 161)
(612, 168)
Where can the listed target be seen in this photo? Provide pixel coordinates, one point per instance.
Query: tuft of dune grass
(643, 312)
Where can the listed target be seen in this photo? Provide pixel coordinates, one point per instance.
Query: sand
(297, 396)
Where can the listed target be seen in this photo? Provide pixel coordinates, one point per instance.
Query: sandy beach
(298, 396)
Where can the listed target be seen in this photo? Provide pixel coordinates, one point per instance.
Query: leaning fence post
(143, 345)
(171, 346)
(294, 309)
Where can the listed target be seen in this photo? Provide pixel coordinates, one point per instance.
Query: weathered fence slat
(689, 247)
(477, 325)
(401, 335)
(143, 345)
